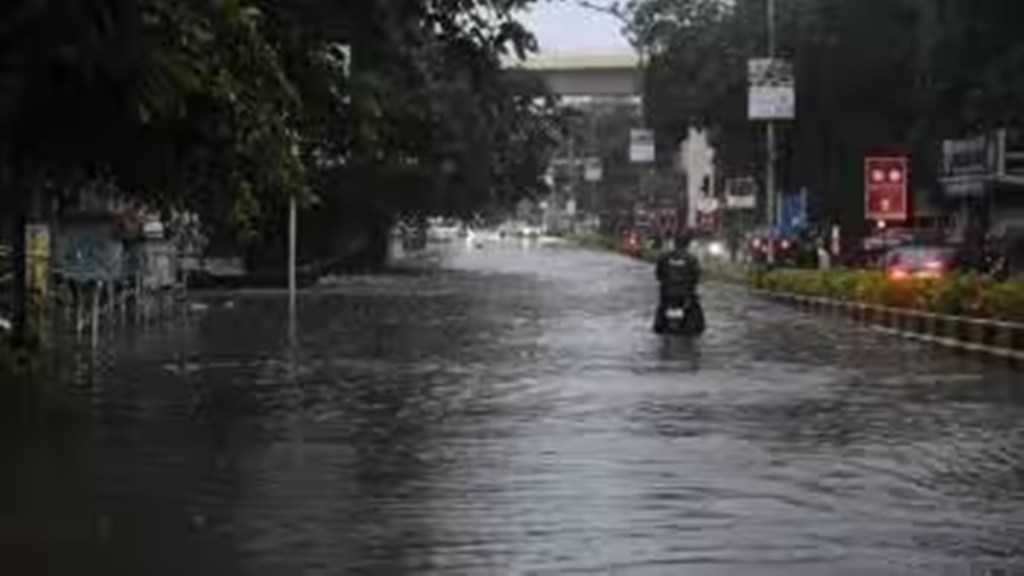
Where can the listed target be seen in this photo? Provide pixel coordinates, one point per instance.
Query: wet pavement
(508, 411)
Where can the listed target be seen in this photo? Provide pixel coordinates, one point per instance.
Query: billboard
(772, 89)
(885, 188)
(641, 146)
(793, 217)
(89, 251)
(970, 166)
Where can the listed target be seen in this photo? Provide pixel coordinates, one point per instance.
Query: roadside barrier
(991, 338)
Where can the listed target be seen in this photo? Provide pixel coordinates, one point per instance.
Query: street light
(770, 193)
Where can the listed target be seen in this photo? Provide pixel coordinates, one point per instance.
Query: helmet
(683, 239)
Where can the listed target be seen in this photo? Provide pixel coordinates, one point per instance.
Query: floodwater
(507, 410)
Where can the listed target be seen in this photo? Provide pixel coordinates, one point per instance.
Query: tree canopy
(890, 76)
(228, 107)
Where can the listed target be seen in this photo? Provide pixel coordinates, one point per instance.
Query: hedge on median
(960, 295)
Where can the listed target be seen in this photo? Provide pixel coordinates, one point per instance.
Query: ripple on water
(512, 413)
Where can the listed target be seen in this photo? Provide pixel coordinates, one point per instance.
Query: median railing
(970, 313)
(990, 337)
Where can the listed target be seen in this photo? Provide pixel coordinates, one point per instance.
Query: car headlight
(716, 248)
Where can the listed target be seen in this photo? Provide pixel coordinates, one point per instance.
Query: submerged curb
(992, 338)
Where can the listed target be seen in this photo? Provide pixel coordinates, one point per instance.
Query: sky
(564, 27)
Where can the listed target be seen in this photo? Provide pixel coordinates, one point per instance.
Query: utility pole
(769, 172)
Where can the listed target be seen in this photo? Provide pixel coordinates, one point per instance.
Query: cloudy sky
(562, 26)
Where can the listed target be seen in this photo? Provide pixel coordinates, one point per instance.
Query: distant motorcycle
(680, 317)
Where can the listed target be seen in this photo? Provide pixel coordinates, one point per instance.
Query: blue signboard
(90, 252)
(793, 217)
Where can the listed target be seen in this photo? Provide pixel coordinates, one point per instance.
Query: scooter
(680, 317)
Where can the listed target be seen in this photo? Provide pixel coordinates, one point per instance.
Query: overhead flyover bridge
(584, 76)
(593, 84)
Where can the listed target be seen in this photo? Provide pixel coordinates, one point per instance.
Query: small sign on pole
(772, 94)
(885, 188)
(740, 193)
(592, 170)
(641, 146)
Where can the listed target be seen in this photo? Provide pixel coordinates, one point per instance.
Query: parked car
(923, 261)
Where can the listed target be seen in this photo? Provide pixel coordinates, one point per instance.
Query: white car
(529, 232)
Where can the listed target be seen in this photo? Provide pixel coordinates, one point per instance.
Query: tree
(892, 76)
(227, 108)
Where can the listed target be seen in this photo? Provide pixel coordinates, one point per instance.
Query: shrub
(1004, 301)
(960, 295)
(28, 398)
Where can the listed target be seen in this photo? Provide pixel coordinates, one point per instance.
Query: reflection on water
(510, 411)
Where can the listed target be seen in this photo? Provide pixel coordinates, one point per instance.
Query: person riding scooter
(678, 273)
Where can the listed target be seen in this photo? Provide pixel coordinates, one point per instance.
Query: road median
(965, 312)
(970, 313)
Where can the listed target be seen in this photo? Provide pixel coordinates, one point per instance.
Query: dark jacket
(678, 274)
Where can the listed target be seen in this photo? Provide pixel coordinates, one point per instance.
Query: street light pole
(771, 209)
(770, 195)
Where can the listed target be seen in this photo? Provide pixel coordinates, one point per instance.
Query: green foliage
(594, 241)
(229, 107)
(960, 295)
(893, 76)
(23, 397)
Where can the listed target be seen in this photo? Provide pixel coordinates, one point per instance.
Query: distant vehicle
(888, 239)
(631, 243)
(710, 248)
(787, 248)
(481, 236)
(527, 231)
(922, 262)
(443, 233)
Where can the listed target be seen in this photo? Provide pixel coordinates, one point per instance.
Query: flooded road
(508, 411)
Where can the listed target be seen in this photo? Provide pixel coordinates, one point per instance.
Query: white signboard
(741, 202)
(740, 193)
(641, 146)
(772, 89)
(592, 170)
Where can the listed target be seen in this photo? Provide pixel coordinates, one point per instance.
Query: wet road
(507, 411)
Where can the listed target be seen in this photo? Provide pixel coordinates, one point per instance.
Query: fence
(987, 337)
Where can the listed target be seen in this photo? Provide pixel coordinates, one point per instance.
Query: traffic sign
(641, 146)
(772, 90)
(885, 188)
(593, 170)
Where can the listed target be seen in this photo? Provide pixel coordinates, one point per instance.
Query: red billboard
(885, 188)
